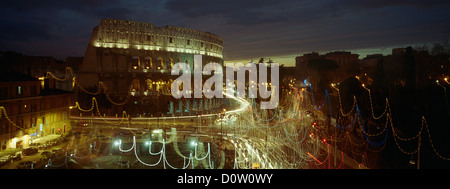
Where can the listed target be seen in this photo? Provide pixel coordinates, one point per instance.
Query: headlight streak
(249, 125)
(273, 140)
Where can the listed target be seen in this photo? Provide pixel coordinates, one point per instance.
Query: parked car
(25, 165)
(42, 146)
(5, 159)
(29, 151)
(16, 156)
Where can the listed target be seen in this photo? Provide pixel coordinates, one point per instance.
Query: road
(243, 137)
(33, 158)
(256, 138)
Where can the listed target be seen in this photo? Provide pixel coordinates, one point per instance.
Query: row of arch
(187, 105)
(148, 63)
(150, 85)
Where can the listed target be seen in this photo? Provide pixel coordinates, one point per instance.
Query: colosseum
(131, 62)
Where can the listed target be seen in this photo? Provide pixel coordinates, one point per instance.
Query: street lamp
(193, 143)
(117, 142)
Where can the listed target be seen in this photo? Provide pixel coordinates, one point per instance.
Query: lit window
(19, 90)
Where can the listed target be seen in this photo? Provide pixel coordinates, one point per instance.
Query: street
(33, 158)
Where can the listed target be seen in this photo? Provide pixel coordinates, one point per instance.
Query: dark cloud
(250, 28)
(196, 8)
(25, 30)
(50, 5)
(238, 12)
(18, 25)
(33, 26)
(390, 3)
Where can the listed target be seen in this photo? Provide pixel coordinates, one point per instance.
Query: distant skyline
(280, 30)
(289, 60)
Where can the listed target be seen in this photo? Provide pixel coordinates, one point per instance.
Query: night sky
(279, 30)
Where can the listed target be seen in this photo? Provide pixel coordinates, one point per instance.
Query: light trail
(278, 141)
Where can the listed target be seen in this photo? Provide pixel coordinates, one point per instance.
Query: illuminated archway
(149, 84)
(135, 85)
(161, 63)
(170, 63)
(148, 63)
(135, 62)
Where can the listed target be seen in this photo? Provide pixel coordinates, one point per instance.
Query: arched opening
(135, 85)
(170, 63)
(169, 85)
(180, 87)
(161, 63)
(148, 63)
(159, 85)
(135, 62)
(149, 84)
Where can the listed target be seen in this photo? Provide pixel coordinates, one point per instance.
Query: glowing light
(157, 131)
(193, 143)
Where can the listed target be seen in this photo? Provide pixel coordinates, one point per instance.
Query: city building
(40, 66)
(406, 67)
(346, 61)
(369, 63)
(322, 70)
(133, 61)
(31, 110)
(301, 64)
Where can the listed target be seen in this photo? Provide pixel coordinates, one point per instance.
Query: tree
(323, 67)
(410, 68)
(348, 88)
(440, 48)
(422, 48)
(321, 80)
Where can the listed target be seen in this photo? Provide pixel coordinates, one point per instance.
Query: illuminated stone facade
(31, 111)
(133, 60)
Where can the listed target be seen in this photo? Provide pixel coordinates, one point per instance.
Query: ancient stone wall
(133, 60)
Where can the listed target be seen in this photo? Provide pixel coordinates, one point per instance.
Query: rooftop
(15, 76)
